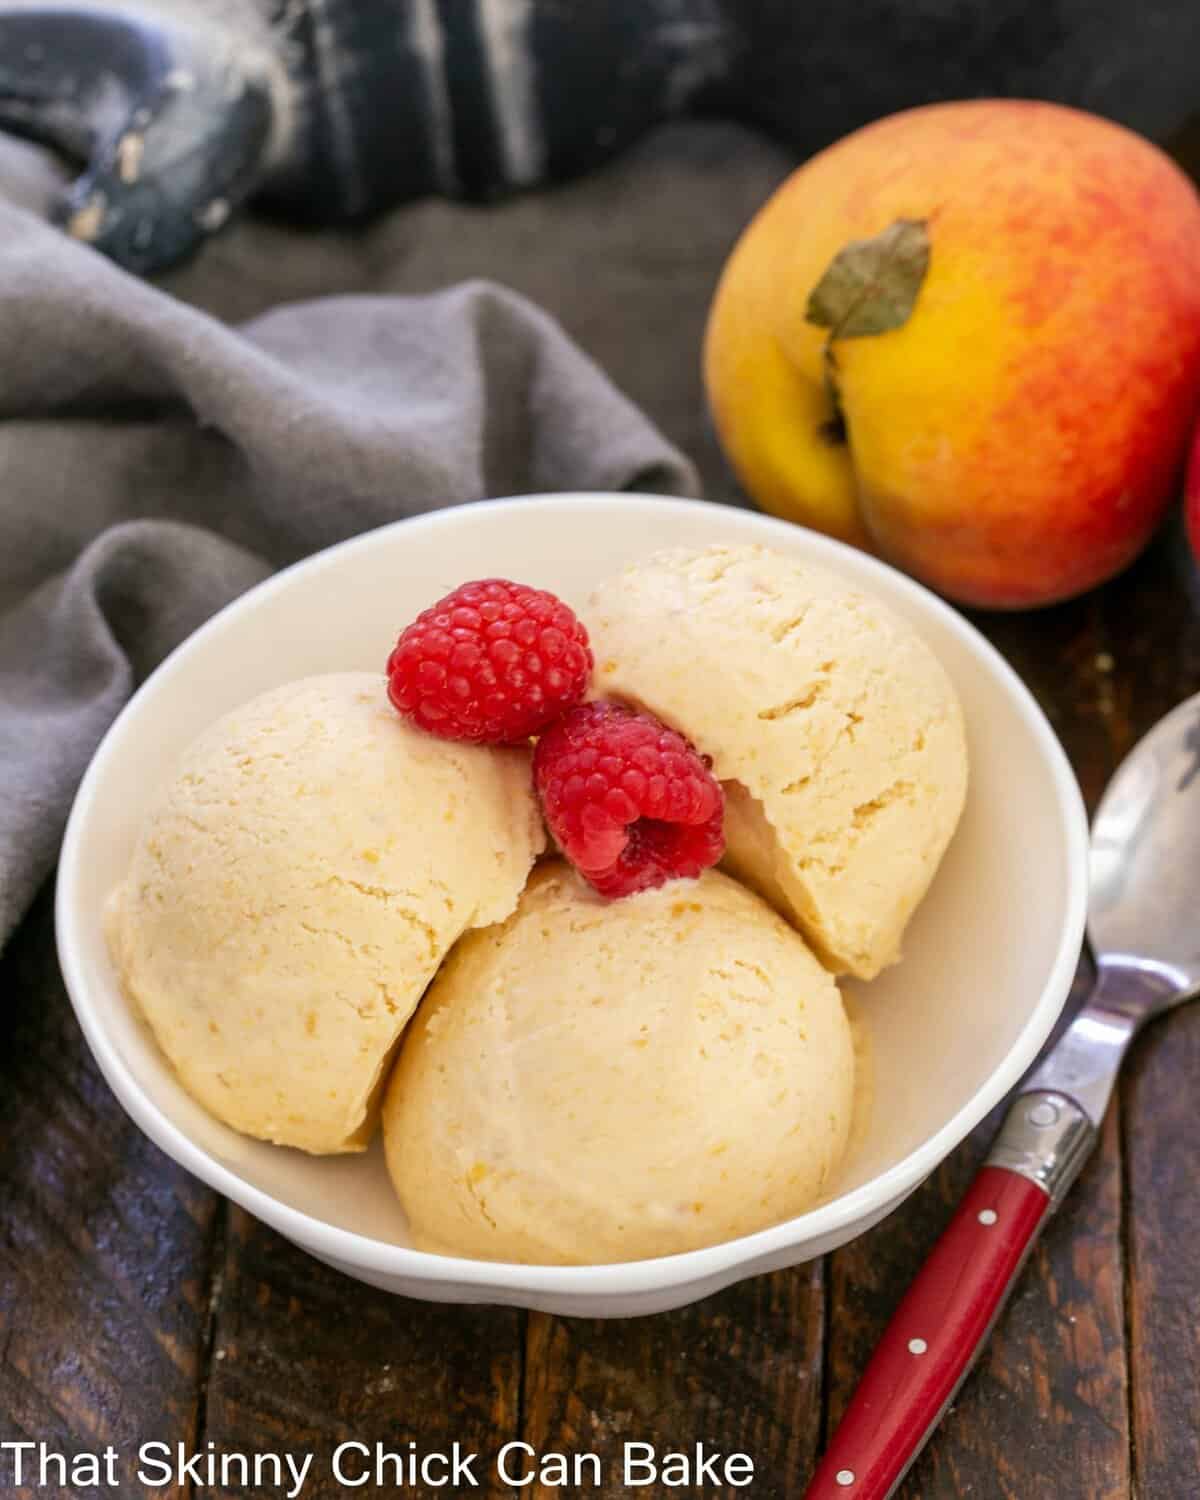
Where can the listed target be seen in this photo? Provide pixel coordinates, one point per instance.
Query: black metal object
(172, 125)
(333, 109)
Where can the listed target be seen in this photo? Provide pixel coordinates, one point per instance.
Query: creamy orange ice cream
(295, 888)
(835, 730)
(604, 1081)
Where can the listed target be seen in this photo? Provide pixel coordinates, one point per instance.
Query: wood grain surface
(739, 1373)
(106, 1247)
(298, 1364)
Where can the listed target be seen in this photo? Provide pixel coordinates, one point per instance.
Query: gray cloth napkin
(155, 462)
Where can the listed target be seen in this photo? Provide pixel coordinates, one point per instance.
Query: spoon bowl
(1145, 865)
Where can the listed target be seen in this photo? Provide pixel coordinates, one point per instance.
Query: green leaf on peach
(871, 286)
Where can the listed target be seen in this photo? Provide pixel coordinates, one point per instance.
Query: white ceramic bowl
(989, 956)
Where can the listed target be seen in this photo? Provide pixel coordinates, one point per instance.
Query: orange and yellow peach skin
(1019, 437)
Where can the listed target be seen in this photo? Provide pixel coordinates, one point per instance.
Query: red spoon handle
(933, 1337)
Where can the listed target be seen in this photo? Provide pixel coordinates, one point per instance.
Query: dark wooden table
(136, 1306)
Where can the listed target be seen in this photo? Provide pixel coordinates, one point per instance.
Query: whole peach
(1017, 437)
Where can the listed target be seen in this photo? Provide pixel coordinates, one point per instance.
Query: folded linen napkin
(155, 462)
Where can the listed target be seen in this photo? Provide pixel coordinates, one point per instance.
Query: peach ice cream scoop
(600, 1081)
(834, 729)
(293, 891)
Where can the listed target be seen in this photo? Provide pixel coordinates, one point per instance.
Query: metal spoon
(1144, 933)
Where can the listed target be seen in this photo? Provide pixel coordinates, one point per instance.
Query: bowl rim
(831, 1221)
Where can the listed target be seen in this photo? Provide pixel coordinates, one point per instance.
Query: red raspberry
(630, 802)
(494, 662)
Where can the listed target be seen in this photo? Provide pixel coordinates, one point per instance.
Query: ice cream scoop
(833, 727)
(293, 891)
(607, 1081)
